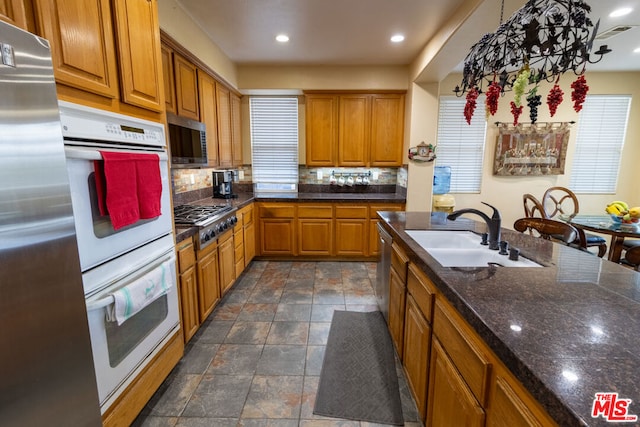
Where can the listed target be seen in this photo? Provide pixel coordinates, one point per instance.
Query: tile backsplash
(185, 180)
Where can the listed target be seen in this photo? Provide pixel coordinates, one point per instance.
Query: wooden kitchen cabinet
(321, 129)
(226, 253)
(188, 289)
(169, 79)
(451, 402)
(208, 115)
(315, 229)
(105, 48)
(225, 133)
(397, 305)
(238, 245)
(387, 130)
(417, 329)
(249, 233)
(208, 280)
(236, 130)
(351, 230)
(417, 342)
(16, 12)
(186, 80)
(277, 229)
(374, 239)
(354, 129)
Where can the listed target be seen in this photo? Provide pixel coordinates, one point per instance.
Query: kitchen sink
(463, 249)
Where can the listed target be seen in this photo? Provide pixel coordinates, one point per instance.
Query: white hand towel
(132, 298)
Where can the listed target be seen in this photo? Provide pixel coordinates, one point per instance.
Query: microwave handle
(94, 154)
(109, 299)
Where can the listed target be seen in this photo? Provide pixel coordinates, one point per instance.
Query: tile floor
(256, 360)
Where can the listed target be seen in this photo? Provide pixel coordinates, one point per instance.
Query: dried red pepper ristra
(579, 93)
(470, 106)
(554, 98)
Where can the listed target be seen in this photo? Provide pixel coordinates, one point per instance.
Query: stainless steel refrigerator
(46, 366)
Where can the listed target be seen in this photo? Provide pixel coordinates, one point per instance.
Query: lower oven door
(97, 240)
(120, 352)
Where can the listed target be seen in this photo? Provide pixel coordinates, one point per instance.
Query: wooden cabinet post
(169, 79)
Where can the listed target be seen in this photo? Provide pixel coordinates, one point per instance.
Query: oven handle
(94, 154)
(109, 299)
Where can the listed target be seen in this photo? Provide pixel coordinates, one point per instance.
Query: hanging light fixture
(541, 41)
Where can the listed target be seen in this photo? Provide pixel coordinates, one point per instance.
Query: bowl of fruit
(622, 214)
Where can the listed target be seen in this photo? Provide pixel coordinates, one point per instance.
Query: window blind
(601, 131)
(274, 143)
(460, 145)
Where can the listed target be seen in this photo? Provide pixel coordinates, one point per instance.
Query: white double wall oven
(111, 259)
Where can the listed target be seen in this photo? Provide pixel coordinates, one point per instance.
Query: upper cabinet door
(186, 88)
(387, 130)
(321, 129)
(236, 130)
(82, 43)
(169, 79)
(13, 12)
(223, 104)
(207, 92)
(138, 35)
(353, 141)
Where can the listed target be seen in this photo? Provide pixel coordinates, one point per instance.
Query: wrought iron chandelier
(546, 37)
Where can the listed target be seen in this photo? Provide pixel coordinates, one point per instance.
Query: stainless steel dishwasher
(383, 271)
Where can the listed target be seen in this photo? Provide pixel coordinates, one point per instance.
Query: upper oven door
(97, 240)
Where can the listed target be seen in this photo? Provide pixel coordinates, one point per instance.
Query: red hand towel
(149, 185)
(133, 187)
(121, 188)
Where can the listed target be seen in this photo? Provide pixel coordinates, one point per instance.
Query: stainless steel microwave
(188, 142)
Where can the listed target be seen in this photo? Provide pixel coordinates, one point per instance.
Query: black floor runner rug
(358, 380)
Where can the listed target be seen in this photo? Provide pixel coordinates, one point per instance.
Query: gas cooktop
(199, 215)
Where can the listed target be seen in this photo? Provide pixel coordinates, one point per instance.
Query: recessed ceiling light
(620, 12)
(636, 50)
(397, 38)
(282, 38)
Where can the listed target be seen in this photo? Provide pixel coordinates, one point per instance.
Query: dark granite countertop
(184, 232)
(566, 331)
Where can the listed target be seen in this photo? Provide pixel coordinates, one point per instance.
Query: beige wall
(176, 23)
(506, 192)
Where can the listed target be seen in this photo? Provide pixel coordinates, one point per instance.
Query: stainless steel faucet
(493, 223)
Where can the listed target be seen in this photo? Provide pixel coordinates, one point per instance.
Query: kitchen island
(566, 331)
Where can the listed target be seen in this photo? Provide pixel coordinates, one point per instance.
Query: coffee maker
(222, 184)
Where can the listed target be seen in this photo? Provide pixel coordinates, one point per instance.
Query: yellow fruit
(635, 212)
(613, 209)
(623, 205)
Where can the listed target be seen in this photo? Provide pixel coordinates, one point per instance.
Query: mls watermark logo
(612, 408)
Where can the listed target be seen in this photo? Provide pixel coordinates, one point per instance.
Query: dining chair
(532, 207)
(632, 257)
(562, 201)
(550, 229)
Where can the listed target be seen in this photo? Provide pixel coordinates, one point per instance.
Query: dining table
(604, 224)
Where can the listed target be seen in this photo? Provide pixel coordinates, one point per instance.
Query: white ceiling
(357, 32)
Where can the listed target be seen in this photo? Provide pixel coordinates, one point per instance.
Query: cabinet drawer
(277, 211)
(315, 211)
(465, 351)
(422, 290)
(239, 252)
(247, 216)
(351, 212)
(373, 209)
(186, 255)
(399, 261)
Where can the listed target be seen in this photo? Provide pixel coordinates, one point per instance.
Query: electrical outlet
(375, 176)
(240, 175)
(192, 177)
(319, 175)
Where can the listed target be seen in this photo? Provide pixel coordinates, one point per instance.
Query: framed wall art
(531, 149)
